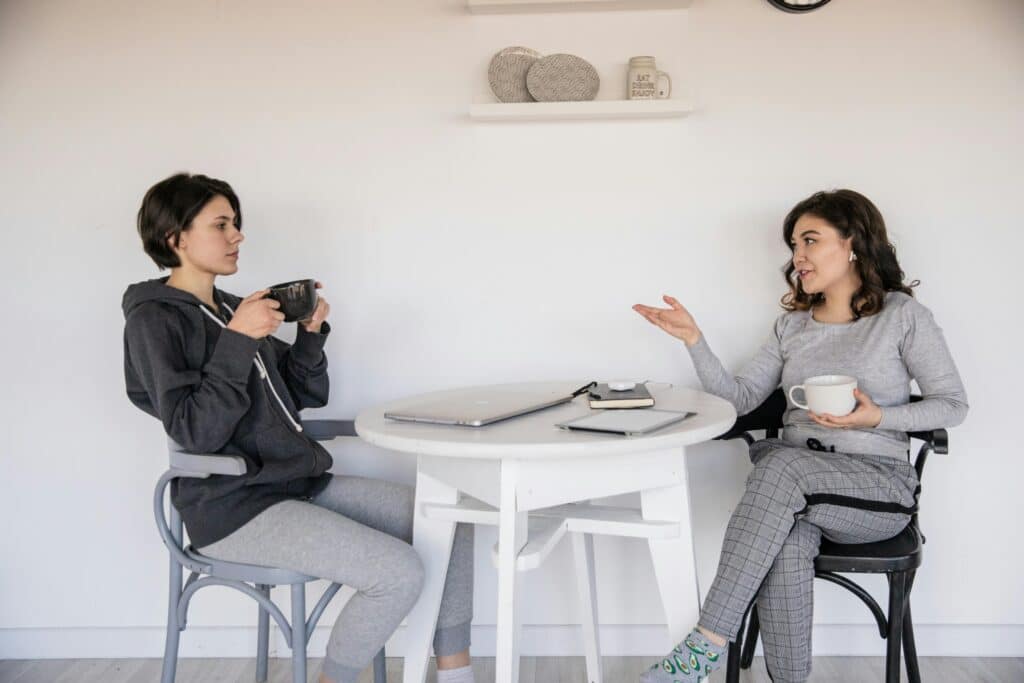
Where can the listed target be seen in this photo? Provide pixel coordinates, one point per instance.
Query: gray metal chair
(254, 581)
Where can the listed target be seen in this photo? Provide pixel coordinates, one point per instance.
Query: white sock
(461, 675)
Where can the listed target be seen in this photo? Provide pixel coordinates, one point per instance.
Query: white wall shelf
(567, 111)
(514, 6)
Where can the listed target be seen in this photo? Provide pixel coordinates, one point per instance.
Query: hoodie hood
(158, 290)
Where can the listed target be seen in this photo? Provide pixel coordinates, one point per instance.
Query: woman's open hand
(320, 313)
(866, 414)
(676, 320)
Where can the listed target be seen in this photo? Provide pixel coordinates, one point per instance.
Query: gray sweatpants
(357, 532)
(793, 497)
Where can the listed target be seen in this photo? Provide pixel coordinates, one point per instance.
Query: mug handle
(668, 93)
(797, 403)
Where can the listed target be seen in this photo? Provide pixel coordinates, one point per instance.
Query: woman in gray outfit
(205, 363)
(847, 478)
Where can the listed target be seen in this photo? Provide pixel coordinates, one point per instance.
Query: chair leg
(380, 672)
(298, 633)
(909, 647)
(738, 648)
(173, 597)
(262, 637)
(750, 640)
(732, 665)
(897, 603)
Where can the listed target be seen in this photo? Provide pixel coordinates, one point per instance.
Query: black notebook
(637, 397)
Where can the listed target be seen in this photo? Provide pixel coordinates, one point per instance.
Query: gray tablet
(627, 422)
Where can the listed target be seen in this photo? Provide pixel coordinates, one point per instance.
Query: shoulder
(156, 318)
(789, 322)
(905, 308)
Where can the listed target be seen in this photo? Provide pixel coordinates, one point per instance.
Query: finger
(256, 295)
(673, 302)
(272, 303)
(818, 420)
(646, 313)
(277, 315)
(863, 398)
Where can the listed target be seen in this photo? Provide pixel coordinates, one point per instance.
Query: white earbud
(853, 257)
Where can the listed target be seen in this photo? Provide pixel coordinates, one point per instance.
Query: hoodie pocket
(284, 454)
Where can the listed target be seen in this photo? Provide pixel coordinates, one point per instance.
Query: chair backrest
(201, 466)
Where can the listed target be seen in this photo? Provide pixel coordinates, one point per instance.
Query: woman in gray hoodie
(205, 363)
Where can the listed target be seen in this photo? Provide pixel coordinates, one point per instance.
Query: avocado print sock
(692, 660)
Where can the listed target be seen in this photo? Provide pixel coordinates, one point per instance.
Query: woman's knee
(400, 575)
(801, 546)
(774, 469)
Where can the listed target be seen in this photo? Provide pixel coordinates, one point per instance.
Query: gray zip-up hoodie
(218, 391)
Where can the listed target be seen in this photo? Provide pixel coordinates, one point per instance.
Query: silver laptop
(483, 409)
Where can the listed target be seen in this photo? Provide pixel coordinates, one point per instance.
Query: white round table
(533, 480)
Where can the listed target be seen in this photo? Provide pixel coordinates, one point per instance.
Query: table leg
(583, 550)
(674, 562)
(432, 539)
(512, 533)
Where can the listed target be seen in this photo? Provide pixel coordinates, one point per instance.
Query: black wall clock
(796, 6)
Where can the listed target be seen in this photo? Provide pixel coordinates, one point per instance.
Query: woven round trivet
(562, 78)
(507, 73)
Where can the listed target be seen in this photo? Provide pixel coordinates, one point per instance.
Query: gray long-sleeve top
(883, 351)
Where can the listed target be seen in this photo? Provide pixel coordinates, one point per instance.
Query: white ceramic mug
(832, 394)
(645, 82)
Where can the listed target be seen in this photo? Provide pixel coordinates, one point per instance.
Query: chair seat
(902, 552)
(251, 573)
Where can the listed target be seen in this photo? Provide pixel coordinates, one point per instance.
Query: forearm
(934, 412)
(304, 368)
(746, 391)
(200, 410)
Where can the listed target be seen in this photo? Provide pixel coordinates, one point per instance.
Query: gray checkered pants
(794, 496)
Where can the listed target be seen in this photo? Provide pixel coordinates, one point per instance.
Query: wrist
(692, 339)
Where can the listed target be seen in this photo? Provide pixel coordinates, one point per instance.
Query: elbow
(314, 396)
(197, 441)
(960, 408)
(315, 402)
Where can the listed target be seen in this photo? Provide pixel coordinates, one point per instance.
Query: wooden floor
(532, 670)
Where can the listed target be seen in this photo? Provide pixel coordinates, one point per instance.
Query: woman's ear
(176, 242)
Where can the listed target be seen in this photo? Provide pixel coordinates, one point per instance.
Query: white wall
(457, 253)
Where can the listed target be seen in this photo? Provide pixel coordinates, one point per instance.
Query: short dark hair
(169, 207)
(853, 215)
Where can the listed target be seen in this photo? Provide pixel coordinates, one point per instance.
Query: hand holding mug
(320, 313)
(676, 320)
(256, 316)
(866, 414)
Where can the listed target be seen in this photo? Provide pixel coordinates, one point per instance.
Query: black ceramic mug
(297, 298)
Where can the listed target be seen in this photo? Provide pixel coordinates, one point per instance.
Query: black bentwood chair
(898, 558)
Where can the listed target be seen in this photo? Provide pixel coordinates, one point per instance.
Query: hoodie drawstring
(261, 366)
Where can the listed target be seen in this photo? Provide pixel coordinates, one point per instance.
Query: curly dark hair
(853, 215)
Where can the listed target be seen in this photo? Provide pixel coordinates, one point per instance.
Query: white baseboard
(948, 640)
